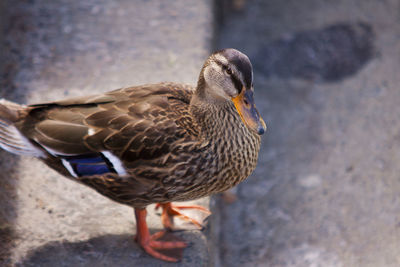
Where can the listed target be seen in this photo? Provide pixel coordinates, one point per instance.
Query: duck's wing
(114, 132)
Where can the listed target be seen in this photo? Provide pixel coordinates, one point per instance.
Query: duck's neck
(217, 117)
(232, 146)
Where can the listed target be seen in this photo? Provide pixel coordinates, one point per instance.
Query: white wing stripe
(117, 164)
(68, 166)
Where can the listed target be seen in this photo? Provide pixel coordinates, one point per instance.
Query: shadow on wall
(106, 250)
(100, 251)
(329, 54)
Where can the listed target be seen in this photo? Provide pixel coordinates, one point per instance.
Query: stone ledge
(60, 49)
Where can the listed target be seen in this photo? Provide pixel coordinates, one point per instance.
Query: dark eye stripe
(236, 81)
(245, 68)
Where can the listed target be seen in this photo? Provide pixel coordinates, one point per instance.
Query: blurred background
(326, 189)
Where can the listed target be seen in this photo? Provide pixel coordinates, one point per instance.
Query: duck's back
(122, 122)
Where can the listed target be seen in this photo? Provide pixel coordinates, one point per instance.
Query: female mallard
(149, 144)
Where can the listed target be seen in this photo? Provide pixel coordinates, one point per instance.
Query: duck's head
(227, 75)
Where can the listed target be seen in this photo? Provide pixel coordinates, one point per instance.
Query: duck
(149, 144)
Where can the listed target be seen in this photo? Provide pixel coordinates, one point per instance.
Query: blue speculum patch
(90, 164)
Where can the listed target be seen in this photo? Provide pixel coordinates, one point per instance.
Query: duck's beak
(244, 103)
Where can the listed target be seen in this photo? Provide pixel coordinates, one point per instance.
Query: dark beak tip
(261, 130)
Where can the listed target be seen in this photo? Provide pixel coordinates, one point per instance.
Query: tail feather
(11, 139)
(9, 111)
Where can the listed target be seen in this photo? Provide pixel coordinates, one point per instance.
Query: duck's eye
(228, 71)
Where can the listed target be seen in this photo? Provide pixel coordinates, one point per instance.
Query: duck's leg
(169, 211)
(150, 243)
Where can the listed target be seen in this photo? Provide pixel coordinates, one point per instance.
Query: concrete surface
(327, 188)
(326, 191)
(57, 49)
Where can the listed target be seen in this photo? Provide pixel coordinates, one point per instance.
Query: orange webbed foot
(164, 250)
(161, 245)
(169, 211)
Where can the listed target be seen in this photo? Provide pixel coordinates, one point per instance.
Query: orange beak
(244, 103)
